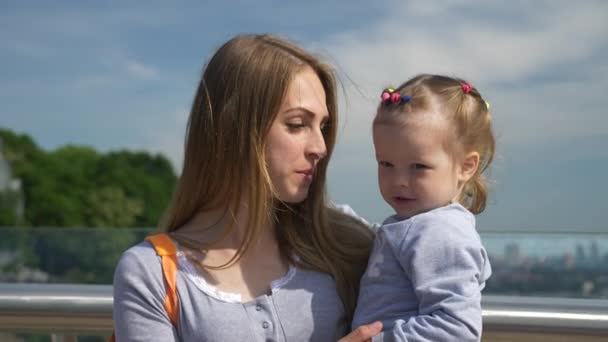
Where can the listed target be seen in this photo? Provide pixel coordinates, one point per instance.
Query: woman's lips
(307, 174)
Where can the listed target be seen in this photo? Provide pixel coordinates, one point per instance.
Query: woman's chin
(294, 197)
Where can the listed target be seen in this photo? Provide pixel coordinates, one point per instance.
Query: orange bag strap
(165, 248)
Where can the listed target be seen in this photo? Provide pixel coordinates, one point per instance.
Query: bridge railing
(66, 311)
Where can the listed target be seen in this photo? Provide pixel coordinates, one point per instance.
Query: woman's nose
(316, 146)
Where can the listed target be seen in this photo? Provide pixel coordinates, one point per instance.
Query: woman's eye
(325, 126)
(295, 125)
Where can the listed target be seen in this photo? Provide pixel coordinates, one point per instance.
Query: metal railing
(67, 310)
(64, 311)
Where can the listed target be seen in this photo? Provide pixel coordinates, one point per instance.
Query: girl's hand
(363, 333)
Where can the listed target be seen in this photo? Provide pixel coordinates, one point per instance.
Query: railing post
(64, 338)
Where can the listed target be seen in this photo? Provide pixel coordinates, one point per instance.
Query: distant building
(10, 187)
(594, 253)
(513, 254)
(580, 254)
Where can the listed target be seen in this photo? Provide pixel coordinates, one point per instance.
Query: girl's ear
(468, 166)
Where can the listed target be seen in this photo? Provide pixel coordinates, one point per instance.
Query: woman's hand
(363, 333)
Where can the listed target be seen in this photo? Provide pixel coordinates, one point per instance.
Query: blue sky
(116, 75)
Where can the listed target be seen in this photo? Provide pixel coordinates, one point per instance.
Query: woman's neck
(219, 229)
(214, 253)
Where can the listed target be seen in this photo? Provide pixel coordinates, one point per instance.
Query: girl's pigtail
(475, 194)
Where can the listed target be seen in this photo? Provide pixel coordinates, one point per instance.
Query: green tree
(59, 186)
(77, 186)
(147, 178)
(110, 207)
(8, 201)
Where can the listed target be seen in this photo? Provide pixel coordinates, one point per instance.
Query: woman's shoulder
(350, 228)
(348, 211)
(141, 252)
(140, 264)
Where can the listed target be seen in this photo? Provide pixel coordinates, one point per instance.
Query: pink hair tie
(466, 88)
(385, 96)
(395, 98)
(389, 95)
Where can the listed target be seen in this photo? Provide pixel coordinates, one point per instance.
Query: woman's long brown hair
(237, 100)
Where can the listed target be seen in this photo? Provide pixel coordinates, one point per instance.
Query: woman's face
(295, 142)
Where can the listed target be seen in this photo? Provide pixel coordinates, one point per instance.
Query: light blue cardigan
(424, 278)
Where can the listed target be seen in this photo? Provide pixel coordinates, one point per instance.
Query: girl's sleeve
(447, 266)
(139, 292)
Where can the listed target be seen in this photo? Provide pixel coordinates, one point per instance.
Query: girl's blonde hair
(238, 98)
(469, 121)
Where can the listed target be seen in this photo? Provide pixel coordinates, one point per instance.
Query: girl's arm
(448, 266)
(139, 292)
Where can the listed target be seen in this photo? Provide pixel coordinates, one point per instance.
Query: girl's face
(295, 142)
(416, 172)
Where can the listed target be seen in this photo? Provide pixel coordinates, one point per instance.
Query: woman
(260, 252)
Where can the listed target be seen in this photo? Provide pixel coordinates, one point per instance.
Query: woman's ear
(468, 166)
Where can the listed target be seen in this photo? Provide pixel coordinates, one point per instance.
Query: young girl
(433, 140)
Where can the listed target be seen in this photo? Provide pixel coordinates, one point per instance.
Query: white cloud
(141, 71)
(539, 39)
(542, 65)
(559, 110)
